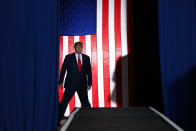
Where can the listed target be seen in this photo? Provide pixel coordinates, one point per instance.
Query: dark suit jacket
(74, 77)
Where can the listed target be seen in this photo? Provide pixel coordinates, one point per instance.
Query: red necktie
(79, 63)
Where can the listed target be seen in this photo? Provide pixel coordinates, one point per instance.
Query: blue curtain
(28, 65)
(177, 34)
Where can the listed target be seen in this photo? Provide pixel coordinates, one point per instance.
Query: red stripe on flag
(71, 50)
(83, 40)
(118, 51)
(60, 65)
(70, 44)
(130, 53)
(95, 102)
(105, 45)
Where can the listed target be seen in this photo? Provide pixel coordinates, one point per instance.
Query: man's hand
(61, 85)
(89, 87)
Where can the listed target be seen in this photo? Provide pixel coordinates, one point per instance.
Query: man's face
(78, 49)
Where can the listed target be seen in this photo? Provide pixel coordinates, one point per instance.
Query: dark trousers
(68, 94)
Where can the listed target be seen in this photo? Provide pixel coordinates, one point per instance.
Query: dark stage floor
(118, 119)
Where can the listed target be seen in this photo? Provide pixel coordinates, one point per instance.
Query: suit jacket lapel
(75, 61)
(83, 61)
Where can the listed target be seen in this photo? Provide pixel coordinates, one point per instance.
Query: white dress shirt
(76, 54)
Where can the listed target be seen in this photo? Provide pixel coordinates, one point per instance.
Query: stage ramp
(118, 119)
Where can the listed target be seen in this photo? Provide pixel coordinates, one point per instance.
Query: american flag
(108, 49)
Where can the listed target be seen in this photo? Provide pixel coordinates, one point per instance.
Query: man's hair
(78, 43)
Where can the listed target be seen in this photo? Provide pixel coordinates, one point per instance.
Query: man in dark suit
(78, 78)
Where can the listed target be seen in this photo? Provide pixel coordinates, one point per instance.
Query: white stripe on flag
(76, 39)
(125, 90)
(112, 53)
(100, 54)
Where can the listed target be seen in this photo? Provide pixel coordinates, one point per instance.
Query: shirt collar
(78, 54)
